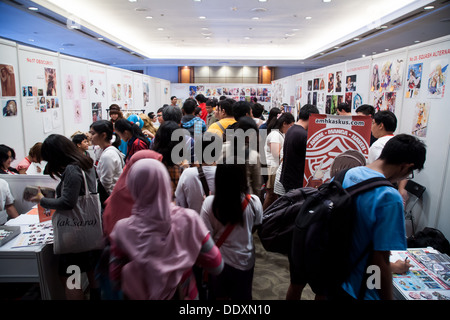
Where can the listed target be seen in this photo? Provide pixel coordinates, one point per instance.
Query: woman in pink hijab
(119, 203)
(153, 251)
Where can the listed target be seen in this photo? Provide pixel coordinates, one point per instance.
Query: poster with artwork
(413, 80)
(8, 80)
(437, 78)
(330, 136)
(9, 107)
(357, 82)
(420, 122)
(330, 85)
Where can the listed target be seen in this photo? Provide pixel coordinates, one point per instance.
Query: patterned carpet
(271, 277)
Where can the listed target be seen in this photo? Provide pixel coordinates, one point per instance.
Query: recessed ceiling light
(255, 18)
(383, 27)
(363, 56)
(326, 1)
(207, 38)
(31, 40)
(374, 52)
(197, 0)
(262, 0)
(429, 7)
(132, 0)
(205, 29)
(160, 29)
(33, 8)
(119, 47)
(321, 53)
(206, 33)
(417, 41)
(386, 49)
(148, 17)
(356, 39)
(289, 34)
(295, 29)
(308, 18)
(247, 38)
(202, 17)
(336, 47)
(100, 38)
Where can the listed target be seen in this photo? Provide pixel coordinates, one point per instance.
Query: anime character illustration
(375, 79)
(386, 75)
(436, 80)
(414, 79)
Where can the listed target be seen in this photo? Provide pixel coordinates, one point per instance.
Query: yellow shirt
(214, 128)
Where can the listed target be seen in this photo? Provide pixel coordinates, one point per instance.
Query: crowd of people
(182, 192)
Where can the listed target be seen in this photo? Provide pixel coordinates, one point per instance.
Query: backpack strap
(230, 227)
(201, 175)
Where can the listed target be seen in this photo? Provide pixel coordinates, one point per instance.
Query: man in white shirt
(7, 208)
(384, 124)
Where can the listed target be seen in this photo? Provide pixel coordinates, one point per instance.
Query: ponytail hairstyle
(105, 126)
(123, 125)
(230, 184)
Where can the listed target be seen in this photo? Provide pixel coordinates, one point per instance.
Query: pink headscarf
(161, 240)
(120, 202)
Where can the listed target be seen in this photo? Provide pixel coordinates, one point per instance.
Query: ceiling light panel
(120, 22)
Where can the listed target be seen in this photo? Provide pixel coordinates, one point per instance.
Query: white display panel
(77, 111)
(356, 82)
(11, 119)
(120, 88)
(98, 101)
(40, 73)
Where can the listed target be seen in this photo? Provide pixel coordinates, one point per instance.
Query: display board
(356, 82)
(40, 85)
(77, 110)
(120, 88)
(11, 119)
(98, 102)
(386, 81)
(425, 115)
(236, 91)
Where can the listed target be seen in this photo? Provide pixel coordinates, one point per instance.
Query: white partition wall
(411, 82)
(11, 103)
(77, 111)
(46, 92)
(40, 75)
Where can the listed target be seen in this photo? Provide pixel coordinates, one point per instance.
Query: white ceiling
(229, 34)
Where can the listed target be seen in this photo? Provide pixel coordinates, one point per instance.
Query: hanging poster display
(386, 81)
(356, 82)
(335, 93)
(40, 85)
(97, 92)
(120, 86)
(329, 136)
(78, 114)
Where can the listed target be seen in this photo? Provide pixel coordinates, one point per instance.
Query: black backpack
(278, 219)
(430, 237)
(322, 235)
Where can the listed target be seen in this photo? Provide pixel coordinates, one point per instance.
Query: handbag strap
(230, 227)
(201, 175)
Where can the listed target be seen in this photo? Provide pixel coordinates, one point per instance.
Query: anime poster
(386, 75)
(83, 89)
(420, 122)
(146, 93)
(330, 82)
(413, 80)
(348, 98)
(350, 83)
(357, 101)
(397, 74)
(8, 80)
(77, 115)
(50, 79)
(375, 79)
(338, 81)
(389, 99)
(329, 136)
(9, 108)
(96, 111)
(69, 86)
(437, 78)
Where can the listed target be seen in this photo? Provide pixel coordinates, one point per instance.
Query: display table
(427, 279)
(34, 264)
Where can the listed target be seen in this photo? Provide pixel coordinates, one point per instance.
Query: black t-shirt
(294, 152)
